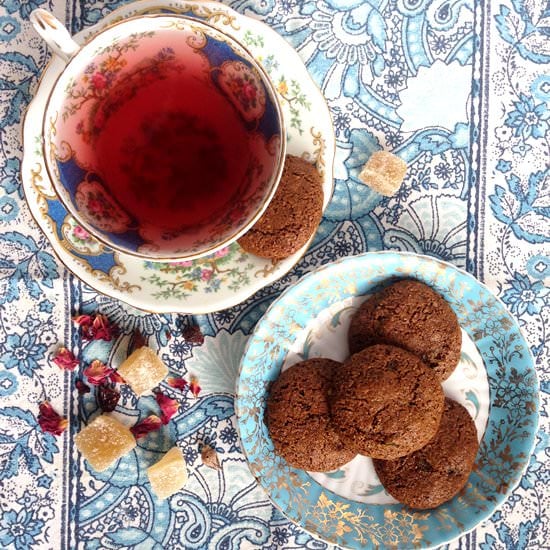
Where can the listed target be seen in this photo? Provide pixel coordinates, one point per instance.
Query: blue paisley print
(459, 89)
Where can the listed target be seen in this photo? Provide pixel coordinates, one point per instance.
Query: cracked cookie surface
(413, 316)
(292, 215)
(436, 473)
(298, 417)
(387, 402)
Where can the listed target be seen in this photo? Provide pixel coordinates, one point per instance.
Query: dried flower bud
(193, 335)
(65, 359)
(150, 424)
(50, 421)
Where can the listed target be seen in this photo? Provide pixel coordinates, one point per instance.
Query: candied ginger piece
(169, 474)
(103, 441)
(143, 370)
(384, 172)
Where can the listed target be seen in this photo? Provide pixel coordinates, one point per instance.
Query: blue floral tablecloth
(460, 89)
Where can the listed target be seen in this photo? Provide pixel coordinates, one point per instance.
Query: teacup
(162, 136)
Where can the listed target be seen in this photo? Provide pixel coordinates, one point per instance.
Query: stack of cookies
(385, 401)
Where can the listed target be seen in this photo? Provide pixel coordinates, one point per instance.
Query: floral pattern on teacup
(80, 235)
(106, 86)
(95, 204)
(78, 238)
(123, 69)
(244, 88)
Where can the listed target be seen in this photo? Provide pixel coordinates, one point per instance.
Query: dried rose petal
(83, 320)
(82, 387)
(193, 335)
(103, 329)
(194, 386)
(169, 407)
(85, 324)
(137, 341)
(177, 383)
(150, 424)
(107, 398)
(95, 327)
(210, 457)
(50, 421)
(97, 372)
(65, 359)
(116, 378)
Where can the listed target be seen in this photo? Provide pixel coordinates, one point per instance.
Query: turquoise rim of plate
(506, 444)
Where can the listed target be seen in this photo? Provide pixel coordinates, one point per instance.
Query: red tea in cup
(175, 153)
(164, 138)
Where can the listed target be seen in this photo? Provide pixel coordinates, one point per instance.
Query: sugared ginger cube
(169, 474)
(143, 370)
(103, 441)
(384, 172)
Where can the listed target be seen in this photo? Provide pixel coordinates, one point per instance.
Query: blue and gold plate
(495, 380)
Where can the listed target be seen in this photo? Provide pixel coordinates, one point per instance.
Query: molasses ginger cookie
(413, 316)
(298, 417)
(292, 215)
(386, 403)
(437, 472)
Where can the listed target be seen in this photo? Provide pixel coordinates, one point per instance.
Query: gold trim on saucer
(115, 273)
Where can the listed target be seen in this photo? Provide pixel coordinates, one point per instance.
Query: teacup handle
(54, 33)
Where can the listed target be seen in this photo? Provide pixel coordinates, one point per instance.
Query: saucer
(495, 380)
(229, 276)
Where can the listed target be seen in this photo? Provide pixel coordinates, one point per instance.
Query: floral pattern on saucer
(180, 279)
